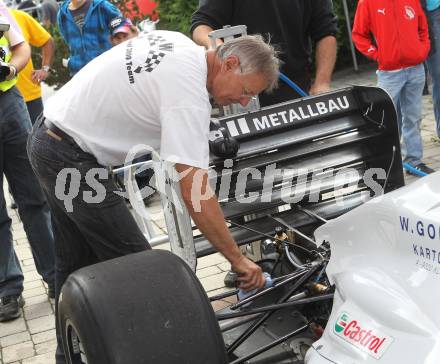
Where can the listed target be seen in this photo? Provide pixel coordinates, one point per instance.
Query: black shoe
(422, 167)
(51, 290)
(10, 307)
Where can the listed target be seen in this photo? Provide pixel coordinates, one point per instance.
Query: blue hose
(413, 170)
(293, 85)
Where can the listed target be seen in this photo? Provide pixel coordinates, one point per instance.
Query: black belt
(57, 131)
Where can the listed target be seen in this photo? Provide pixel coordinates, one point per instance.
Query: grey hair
(255, 55)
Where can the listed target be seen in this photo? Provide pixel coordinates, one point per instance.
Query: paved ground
(31, 338)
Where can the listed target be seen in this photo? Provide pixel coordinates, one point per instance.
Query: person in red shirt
(394, 33)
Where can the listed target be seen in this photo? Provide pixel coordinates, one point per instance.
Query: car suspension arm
(278, 306)
(271, 345)
(267, 290)
(251, 329)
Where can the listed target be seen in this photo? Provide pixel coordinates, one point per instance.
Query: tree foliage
(176, 14)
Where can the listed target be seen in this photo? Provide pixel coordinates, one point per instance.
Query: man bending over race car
(154, 90)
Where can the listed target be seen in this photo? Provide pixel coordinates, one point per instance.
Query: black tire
(147, 307)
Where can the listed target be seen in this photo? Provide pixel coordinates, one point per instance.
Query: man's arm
(40, 38)
(361, 33)
(47, 53)
(21, 53)
(200, 36)
(326, 50)
(322, 30)
(211, 15)
(424, 31)
(209, 218)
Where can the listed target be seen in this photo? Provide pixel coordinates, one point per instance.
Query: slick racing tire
(146, 307)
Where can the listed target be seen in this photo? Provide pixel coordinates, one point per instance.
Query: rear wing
(299, 163)
(326, 154)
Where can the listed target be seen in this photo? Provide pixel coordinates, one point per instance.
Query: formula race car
(313, 190)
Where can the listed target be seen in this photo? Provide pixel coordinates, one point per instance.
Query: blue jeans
(405, 87)
(433, 62)
(86, 232)
(35, 108)
(32, 206)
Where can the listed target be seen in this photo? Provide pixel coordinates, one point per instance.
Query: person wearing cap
(121, 29)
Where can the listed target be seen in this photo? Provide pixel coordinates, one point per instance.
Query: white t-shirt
(149, 90)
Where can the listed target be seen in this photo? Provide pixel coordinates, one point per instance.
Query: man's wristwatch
(45, 68)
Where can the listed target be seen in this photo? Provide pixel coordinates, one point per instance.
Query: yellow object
(6, 85)
(36, 36)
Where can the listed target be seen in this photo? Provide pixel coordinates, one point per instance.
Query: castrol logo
(360, 335)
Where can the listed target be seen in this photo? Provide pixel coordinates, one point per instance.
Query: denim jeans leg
(433, 62)
(411, 106)
(35, 108)
(68, 259)
(86, 231)
(392, 83)
(32, 206)
(11, 276)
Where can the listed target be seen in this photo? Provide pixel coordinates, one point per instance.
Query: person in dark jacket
(84, 25)
(291, 25)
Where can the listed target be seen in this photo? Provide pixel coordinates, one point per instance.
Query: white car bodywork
(385, 263)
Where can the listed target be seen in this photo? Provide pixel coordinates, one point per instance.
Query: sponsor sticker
(361, 335)
(288, 115)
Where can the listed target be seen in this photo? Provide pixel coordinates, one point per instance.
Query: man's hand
(326, 49)
(250, 275)
(201, 36)
(208, 216)
(319, 88)
(39, 75)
